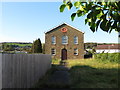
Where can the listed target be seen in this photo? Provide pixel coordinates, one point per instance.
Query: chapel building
(64, 42)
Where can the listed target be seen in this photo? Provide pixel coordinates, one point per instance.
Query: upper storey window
(53, 40)
(75, 40)
(64, 39)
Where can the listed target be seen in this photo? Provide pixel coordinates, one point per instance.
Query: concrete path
(60, 78)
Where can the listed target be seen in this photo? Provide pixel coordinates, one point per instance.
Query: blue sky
(27, 21)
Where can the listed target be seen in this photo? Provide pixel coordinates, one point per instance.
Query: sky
(28, 21)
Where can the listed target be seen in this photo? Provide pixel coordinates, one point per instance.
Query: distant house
(108, 48)
(64, 42)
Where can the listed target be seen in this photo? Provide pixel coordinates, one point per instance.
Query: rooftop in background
(108, 46)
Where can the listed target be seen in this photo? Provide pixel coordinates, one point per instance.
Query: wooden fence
(0, 71)
(23, 70)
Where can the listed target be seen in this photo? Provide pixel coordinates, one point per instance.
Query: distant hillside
(20, 44)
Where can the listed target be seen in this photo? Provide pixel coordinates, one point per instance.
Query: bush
(55, 61)
(108, 57)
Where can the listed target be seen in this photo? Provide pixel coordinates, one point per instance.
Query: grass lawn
(89, 73)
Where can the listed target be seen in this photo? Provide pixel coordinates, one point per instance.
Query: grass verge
(89, 73)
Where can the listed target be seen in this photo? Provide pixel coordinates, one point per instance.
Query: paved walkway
(60, 78)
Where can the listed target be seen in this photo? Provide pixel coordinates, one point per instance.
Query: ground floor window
(53, 51)
(75, 51)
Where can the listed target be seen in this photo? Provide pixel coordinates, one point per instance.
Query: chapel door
(64, 54)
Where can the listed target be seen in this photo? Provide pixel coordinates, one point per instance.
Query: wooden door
(64, 54)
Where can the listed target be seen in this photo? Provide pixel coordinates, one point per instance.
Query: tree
(93, 50)
(7, 47)
(37, 46)
(43, 48)
(103, 14)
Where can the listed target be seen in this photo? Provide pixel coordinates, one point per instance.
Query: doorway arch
(64, 54)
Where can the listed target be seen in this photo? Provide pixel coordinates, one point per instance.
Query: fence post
(1, 71)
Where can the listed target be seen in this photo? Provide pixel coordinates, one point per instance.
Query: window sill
(76, 43)
(65, 44)
(76, 54)
(53, 43)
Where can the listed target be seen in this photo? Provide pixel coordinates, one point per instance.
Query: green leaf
(89, 15)
(103, 17)
(116, 17)
(99, 3)
(110, 30)
(87, 20)
(99, 14)
(92, 27)
(89, 6)
(79, 13)
(110, 27)
(114, 25)
(97, 24)
(73, 16)
(94, 18)
(81, 8)
(69, 5)
(62, 7)
(118, 4)
(104, 25)
(77, 4)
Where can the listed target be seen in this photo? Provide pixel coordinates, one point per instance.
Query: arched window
(53, 51)
(53, 40)
(75, 40)
(64, 39)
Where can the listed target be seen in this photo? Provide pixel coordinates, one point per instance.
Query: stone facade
(71, 32)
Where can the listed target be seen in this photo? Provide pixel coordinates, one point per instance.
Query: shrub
(55, 61)
(108, 57)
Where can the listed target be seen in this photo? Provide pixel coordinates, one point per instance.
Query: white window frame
(75, 39)
(75, 51)
(64, 39)
(53, 40)
(53, 50)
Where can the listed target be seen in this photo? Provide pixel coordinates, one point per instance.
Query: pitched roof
(60, 26)
(108, 46)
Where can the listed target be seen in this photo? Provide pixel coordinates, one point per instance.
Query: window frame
(53, 40)
(64, 39)
(75, 39)
(76, 51)
(53, 50)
